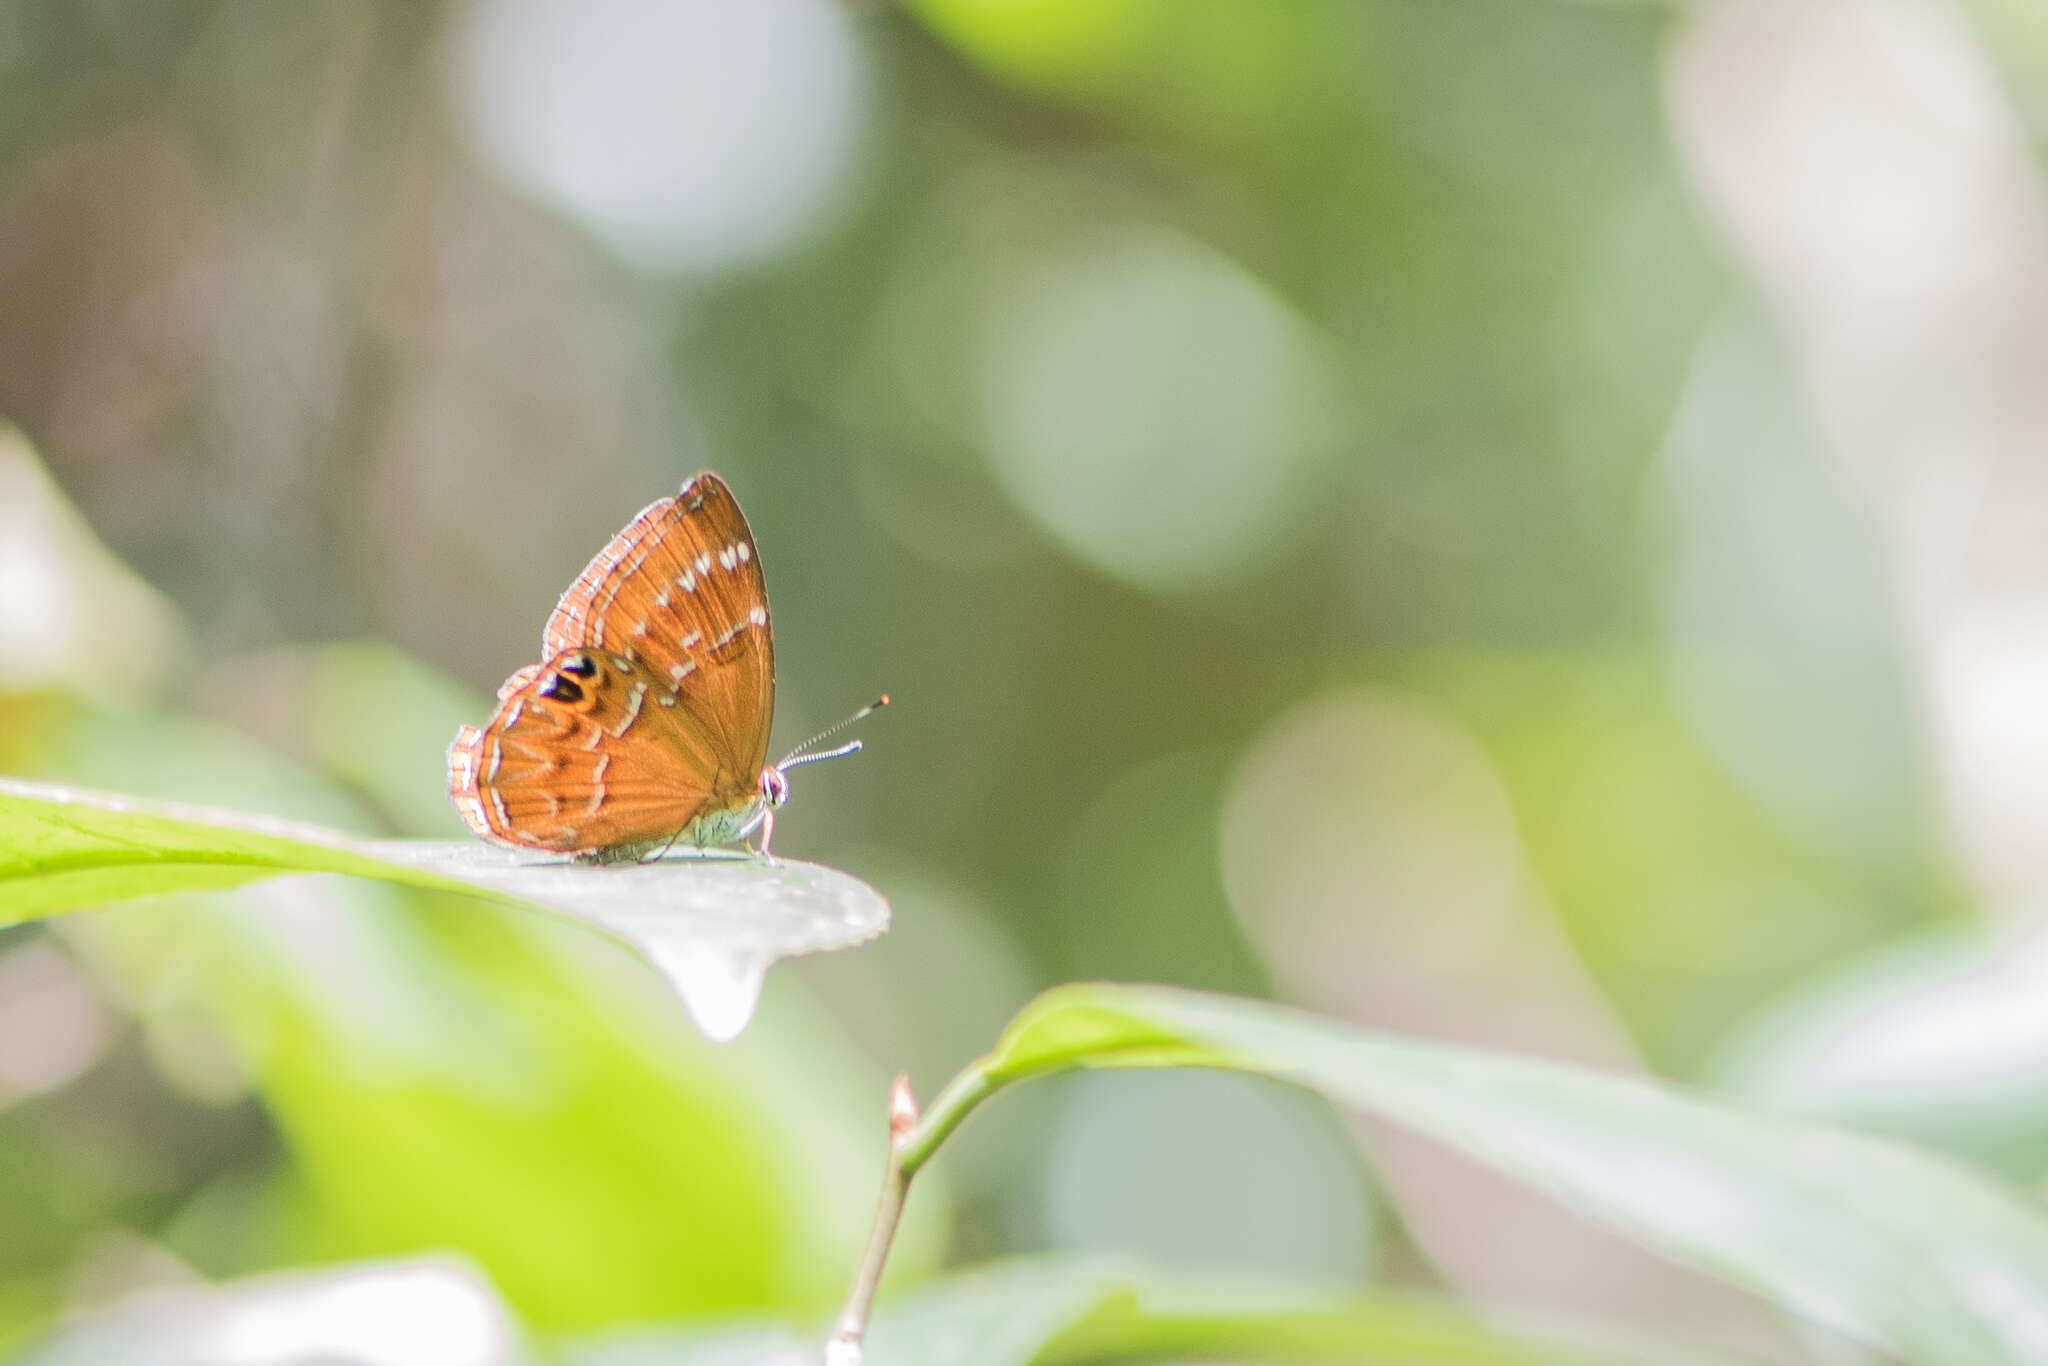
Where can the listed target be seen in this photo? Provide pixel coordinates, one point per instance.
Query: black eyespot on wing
(562, 688)
(583, 666)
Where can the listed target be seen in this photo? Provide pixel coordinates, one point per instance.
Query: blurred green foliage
(1133, 375)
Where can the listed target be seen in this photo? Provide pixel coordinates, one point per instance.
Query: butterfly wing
(594, 751)
(680, 589)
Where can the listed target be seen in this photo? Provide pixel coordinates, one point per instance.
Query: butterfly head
(774, 783)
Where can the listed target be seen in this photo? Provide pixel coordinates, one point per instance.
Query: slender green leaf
(1891, 1245)
(1041, 1313)
(1897, 1042)
(1072, 1310)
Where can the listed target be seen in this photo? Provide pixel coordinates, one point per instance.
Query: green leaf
(1896, 1042)
(1903, 1250)
(602, 1166)
(1072, 1310)
(710, 925)
(1036, 1313)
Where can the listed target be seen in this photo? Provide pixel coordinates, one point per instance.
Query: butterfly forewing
(649, 716)
(681, 590)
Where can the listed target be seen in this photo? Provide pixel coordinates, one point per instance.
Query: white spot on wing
(758, 615)
(744, 551)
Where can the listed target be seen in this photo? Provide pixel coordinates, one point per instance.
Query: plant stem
(912, 1141)
(844, 1347)
(954, 1101)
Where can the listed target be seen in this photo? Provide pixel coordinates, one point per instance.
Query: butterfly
(646, 722)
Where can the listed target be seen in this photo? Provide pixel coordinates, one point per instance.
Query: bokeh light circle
(1151, 407)
(1365, 827)
(691, 135)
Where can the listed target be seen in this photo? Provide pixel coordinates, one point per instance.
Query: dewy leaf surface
(711, 925)
(1911, 1253)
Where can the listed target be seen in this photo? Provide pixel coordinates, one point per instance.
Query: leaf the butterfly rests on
(712, 930)
(647, 720)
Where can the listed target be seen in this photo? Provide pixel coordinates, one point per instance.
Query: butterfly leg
(656, 855)
(767, 830)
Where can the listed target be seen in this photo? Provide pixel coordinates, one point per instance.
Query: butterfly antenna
(797, 755)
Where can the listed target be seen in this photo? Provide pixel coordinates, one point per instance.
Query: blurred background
(1510, 520)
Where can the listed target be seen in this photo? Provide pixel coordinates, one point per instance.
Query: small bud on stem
(902, 1110)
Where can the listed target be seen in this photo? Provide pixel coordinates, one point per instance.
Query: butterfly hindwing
(592, 751)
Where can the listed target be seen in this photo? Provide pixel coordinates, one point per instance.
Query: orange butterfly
(647, 722)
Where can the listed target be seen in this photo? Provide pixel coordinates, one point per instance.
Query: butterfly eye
(562, 688)
(583, 666)
(774, 787)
